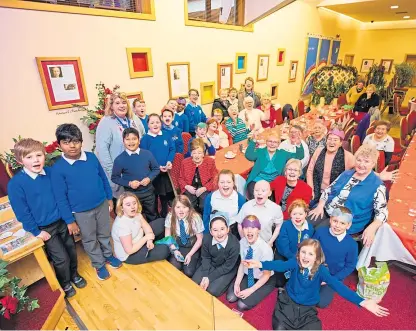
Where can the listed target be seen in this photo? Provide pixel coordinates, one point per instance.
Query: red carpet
(342, 315)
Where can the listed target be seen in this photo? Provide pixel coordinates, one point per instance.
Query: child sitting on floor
(295, 306)
(252, 285)
(135, 169)
(201, 132)
(174, 131)
(186, 226)
(219, 257)
(340, 249)
(33, 202)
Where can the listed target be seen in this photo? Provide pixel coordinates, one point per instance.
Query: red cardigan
(301, 191)
(275, 117)
(207, 171)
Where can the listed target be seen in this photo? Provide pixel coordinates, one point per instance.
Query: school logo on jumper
(200, 111)
(177, 123)
(174, 137)
(306, 236)
(165, 142)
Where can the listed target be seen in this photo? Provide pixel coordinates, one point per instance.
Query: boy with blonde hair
(34, 204)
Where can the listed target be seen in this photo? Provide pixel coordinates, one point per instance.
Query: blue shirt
(181, 121)
(176, 136)
(144, 122)
(33, 201)
(195, 115)
(80, 186)
(210, 150)
(161, 146)
(290, 237)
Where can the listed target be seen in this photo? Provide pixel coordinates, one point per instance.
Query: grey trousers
(96, 232)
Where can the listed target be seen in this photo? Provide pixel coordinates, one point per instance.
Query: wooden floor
(154, 296)
(66, 322)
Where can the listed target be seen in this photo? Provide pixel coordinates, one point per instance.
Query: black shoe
(69, 291)
(79, 282)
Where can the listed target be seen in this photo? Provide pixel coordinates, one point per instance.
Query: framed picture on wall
(179, 79)
(387, 64)
(281, 54)
(262, 67)
(293, 71)
(62, 81)
(241, 63)
(224, 75)
(366, 64)
(339, 61)
(133, 96)
(274, 90)
(140, 62)
(207, 92)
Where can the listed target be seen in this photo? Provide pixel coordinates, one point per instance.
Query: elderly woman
(271, 116)
(118, 116)
(225, 200)
(251, 116)
(355, 92)
(365, 102)
(381, 139)
(197, 175)
(295, 142)
(232, 96)
(221, 102)
(269, 162)
(225, 136)
(248, 91)
(236, 126)
(360, 190)
(317, 138)
(288, 188)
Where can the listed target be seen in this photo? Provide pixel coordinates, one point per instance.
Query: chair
(342, 100)
(349, 123)
(400, 144)
(186, 137)
(411, 122)
(370, 130)
(349, 132)
(174, 172)
(279, 117)
(355, 143)
(301, 108)
(225, 130)
(381, 161)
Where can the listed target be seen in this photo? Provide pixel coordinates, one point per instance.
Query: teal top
(262, 161)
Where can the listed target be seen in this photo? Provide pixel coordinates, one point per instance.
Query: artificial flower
(9, 303)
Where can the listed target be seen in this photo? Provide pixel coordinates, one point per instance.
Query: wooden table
(28, 262)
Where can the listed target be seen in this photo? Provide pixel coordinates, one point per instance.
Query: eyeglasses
(272, 141)
(292, 170)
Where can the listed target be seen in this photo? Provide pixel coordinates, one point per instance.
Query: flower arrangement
(52, 152)
(13, 298)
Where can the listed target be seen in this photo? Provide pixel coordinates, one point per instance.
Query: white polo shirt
(261, 252)
(288, 147)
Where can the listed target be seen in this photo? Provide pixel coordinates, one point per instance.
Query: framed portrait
(133, 96)
(179, 79)
(387, 64)
(274, 91)
(262, 67)
(281, 54)
(207, 92)
(366, 64)
(241, 63)
(224, 75)
(339, 61)
(62, 81)
(140, 62)
(293, 70)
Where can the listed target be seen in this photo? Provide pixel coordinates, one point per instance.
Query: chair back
(349, 123)
(279, 117)
(186, 137)
(174, 172)
(342, 100)
(411, 122)
(370, 130)
(355, 143)
(349, 132)
(301, 108)
(381, 161)
(404, 129)
(225, 130)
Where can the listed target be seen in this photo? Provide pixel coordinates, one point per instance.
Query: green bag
(373, 282)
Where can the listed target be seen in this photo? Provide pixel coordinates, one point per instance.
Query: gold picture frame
(140, 62)
(179, 79)
(293, 71)
(224, 76)
(366, 64)
(131, 96)
(388, 65)
(240, 63)
(207, 90)
(263, 61)
(281, 56)
(274, 91)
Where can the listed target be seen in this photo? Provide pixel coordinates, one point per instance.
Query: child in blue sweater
(340, 249)
(292, 233)
(139, 108)
(135, 169)
(84, 195)
(163, 149)
(174, 131)
(181, 119)
(33, 202)
(201, 132)
(194, 112)
(295, 306)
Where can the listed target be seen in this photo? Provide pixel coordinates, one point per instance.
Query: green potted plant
(13, 298)
(376, 76)
(405, 73)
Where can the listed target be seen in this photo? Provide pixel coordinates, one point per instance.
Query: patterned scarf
(338, 167)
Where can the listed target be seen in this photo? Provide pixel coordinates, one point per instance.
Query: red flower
(100, 112)
(10, 305)
(92, 126)
(107, 91)
(51, 148)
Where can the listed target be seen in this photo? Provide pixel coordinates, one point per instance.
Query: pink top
(329, 158)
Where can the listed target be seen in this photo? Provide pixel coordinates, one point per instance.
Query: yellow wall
(101, 44)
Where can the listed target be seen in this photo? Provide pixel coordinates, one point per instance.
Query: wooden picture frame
(293, 71)
(274, 91)
(140, 62)
(263, 67)
(366, 64)
(349, 59)
(240, 63)
(387, 64)
(281, 55)
(179, 79)
(133, 96)
(207, 91)
(224, 76)
(62, 81)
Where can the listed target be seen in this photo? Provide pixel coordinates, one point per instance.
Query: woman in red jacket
(197, 177)
(288, 188)
(272, 117)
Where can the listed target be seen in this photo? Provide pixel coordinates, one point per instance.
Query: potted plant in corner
(13, 298)
(405, 73)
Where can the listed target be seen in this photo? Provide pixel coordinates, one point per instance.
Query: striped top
(237, 130)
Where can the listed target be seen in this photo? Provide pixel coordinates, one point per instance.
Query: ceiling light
(394, 7)
(406, 16)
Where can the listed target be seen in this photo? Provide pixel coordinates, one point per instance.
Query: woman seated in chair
(270, 114)
(381, 139)
(317, 138)
(365, 102)
(223, 133)
(288, 188)
(197, 176)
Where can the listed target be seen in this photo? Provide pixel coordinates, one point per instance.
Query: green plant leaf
(33, 304)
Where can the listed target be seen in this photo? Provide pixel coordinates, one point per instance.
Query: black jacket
(223, 106)
(363, 104)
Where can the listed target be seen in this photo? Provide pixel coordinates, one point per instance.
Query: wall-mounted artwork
(224, 75)
(62, 81)
(293, 70)
(262, 67)
(133, 96)
(310, 65)
(179, 79)
(366, 64)
(140, 62)
(207, 92)
(274, 90)
(339, 62)
(241, 63)
(281, 55)
(387, 64)
(336, 45)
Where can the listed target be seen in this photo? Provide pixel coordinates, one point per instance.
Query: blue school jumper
(176, 136)
(181, 121)
(195, 115)
(161, 146)
(144, 122)
(289, 238)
